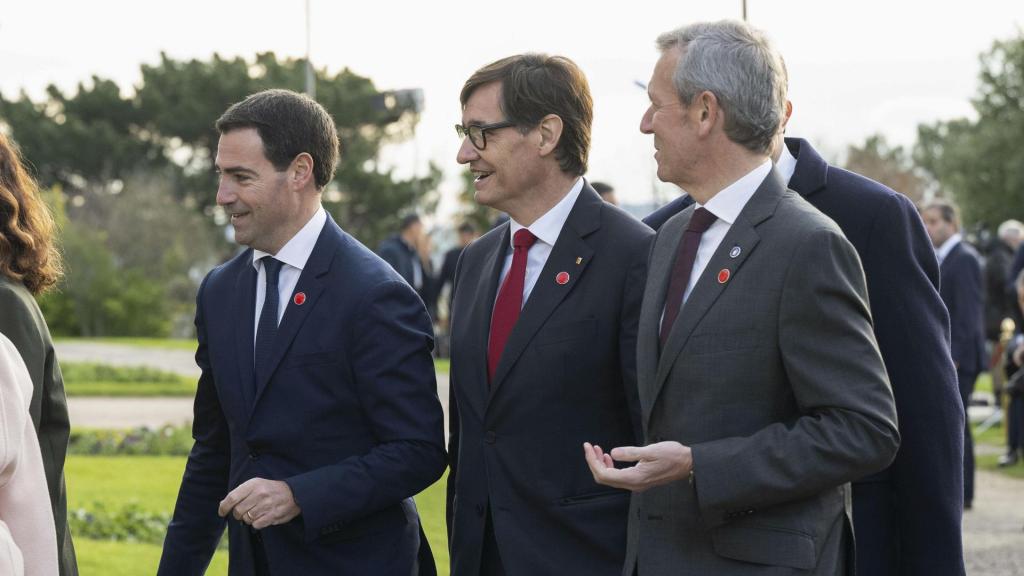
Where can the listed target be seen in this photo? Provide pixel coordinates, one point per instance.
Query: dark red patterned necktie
(509, 302)
(699, 224)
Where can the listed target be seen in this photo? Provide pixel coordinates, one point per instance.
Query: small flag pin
(735, 252)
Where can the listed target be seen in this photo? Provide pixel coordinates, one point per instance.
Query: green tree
(90, 141)
(981, 162)
(890, 165)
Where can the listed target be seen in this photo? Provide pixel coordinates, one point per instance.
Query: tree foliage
(980, 162)
(89, 141)
(890, 165)
(132, 168)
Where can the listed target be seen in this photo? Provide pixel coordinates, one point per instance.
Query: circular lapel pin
(735, 252)
(299, 299)
(723, 275)
(562, 278)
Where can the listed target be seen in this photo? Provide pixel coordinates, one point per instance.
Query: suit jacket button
(479, 509)
(490, 437)
(254, 455)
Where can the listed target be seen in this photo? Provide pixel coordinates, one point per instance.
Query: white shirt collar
(549, 226)
(786, 165)
(296, 251)
(728, 203)
(942, 251)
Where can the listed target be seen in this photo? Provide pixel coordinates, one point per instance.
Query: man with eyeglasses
(544, 323)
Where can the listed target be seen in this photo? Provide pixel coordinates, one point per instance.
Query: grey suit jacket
(22, 322)
(772, 376)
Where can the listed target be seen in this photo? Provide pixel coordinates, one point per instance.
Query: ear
(550, 130)
(300, 173)
(788, 113)
(707, 112)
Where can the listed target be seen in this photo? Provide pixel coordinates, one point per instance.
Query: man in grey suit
(762, 390)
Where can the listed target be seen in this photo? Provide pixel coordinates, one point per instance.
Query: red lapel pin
(562, 278)
(723, 275)
(299, 299)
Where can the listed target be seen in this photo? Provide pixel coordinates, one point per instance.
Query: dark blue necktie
(266, 330)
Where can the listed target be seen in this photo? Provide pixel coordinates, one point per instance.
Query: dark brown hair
(948, 211)
(535, 85)
(27, 251)
(289, 124)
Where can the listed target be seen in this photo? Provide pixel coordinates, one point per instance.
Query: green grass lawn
(169, 343)
(105, 558)
(995, 436)
(983, 383)
(92, 379)
(152, 483)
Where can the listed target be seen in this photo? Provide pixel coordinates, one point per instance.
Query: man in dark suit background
(962, 292)
(907, 518)
(467, 233)
(543, 333)
(761, 386)
(404, 251)
(316, 414)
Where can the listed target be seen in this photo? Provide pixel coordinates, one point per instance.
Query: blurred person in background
(1000, 296)
(606, 192)
(1015, 388)
(30, 264)
(960, 286)
(408, 252)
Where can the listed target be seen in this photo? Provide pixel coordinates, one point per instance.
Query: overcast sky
(856, 67)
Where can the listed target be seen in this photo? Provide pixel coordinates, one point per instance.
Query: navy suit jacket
(567, 375)
(347, 415)
(963, 294)
(907, 518)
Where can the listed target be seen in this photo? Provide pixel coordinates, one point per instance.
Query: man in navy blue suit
(316, 415)
(543, 334)
(963, 293)
(906, 518)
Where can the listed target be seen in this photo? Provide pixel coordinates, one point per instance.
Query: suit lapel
(244, 313)
(547, 294)
(311, 282)
(658, 274)
(479, 322)
(742, 234)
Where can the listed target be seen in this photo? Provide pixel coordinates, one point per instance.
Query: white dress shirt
(942, 251)
(786, 165)
(293, 256)
(546, 229)
(726, 205)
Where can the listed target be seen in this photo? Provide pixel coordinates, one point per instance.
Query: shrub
(166, 441)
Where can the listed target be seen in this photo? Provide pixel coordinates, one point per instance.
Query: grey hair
(738, 64)
(1010, 229)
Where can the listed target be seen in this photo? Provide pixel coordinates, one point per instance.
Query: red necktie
(699, 223)
(509, 302)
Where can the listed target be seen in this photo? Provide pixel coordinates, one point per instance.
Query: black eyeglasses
(478, 132)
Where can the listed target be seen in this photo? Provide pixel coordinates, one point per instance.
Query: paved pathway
(102, 412)
(180, 361)
(993, 530)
